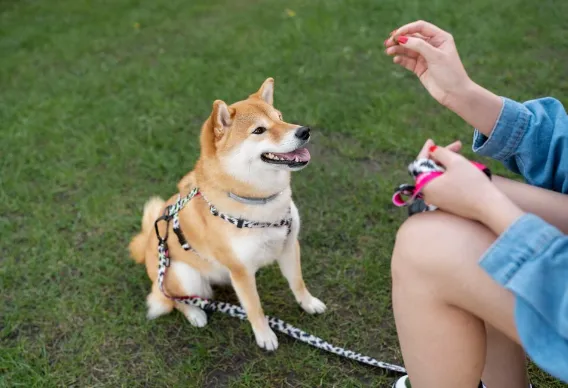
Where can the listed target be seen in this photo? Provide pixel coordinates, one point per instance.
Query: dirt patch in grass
(221, 376)
(23, 330)
(173, 346)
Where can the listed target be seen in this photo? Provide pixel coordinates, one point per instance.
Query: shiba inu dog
(242, 219)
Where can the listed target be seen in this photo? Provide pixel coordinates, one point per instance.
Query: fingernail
(433, 148)
(385, 42)
(402, 39)
(393, 31)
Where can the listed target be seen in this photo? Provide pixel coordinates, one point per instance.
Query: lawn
(100, 108)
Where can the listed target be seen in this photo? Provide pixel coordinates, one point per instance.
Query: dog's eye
(259, 131)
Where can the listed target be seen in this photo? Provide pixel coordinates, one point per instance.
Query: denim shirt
(531, 257)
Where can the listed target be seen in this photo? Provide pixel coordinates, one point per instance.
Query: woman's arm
(548, 205)
(531, 139)
(478, 106)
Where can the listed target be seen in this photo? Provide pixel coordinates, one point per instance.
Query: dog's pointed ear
(221, 118)
(266, 91)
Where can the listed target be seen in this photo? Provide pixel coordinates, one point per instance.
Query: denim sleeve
(531, 260)
(530, 139)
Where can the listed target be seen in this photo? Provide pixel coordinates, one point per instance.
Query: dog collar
(253, 200)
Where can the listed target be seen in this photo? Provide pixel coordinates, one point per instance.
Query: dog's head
(251, 136)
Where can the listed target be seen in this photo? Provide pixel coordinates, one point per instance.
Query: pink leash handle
(422, 179)
(405, 190)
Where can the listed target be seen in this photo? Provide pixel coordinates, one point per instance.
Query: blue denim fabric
(531, 139)
(531, 258)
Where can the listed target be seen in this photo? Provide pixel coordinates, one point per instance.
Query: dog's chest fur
(258, 248)
(255, 248)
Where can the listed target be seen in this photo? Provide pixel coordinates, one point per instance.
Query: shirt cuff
(524, 240)
(506, 134)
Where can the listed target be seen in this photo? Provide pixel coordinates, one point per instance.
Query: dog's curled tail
(152, 210)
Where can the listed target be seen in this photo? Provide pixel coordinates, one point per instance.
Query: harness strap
(164, 262)
(242, 223)
(173, 213)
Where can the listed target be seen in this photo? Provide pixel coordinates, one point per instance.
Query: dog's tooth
(269, 155)
(297, 159)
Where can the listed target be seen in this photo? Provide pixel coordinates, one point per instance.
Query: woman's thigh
(440, 252)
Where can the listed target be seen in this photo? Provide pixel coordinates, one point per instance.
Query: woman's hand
(424, 153)
(466, 191)
(431, 54)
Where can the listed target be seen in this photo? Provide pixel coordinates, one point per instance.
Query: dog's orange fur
(226, 128)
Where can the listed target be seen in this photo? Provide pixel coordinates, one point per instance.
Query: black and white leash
(275, 323)
(237, 311)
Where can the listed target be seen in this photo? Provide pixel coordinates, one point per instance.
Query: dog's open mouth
(297, 158)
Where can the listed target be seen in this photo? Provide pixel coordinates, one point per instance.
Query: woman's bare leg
(442, 297)
(505, 362)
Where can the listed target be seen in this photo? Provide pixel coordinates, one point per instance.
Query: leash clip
(404, 191)
(166, 218)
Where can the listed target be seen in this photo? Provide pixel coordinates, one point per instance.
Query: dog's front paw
(266, 339)
(313, 305)
(196, 316)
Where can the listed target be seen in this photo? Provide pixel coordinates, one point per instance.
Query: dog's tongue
(302, 155)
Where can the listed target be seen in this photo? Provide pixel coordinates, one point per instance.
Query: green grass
(100, 106)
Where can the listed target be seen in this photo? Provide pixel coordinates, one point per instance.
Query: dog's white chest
(260, 247)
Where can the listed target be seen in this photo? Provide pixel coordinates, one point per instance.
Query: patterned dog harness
(423, 171)
(172, 214)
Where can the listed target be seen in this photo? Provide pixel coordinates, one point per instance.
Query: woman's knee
(434, 243)
(412, 246)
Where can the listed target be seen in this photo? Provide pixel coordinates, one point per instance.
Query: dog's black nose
(303, 133)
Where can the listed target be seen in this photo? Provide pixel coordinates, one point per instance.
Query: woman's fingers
(417, 35)
(444, 156)
(424, 28)
(422, 47)
(456, 146)
(425, 151)
(390, 42)
(406, 62)
(401, 50)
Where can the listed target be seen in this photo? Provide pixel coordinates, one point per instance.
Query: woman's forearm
(499, 212)
(548, 205)
(477, 106)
